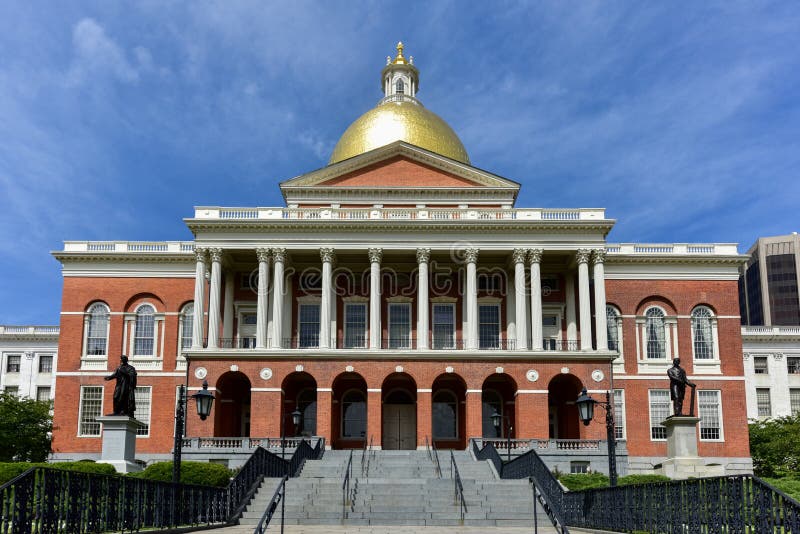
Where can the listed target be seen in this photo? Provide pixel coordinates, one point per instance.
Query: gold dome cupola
(399, 116)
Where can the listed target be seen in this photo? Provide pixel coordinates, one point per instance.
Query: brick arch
(445, 387)
(230, 416)
(499, 394)
(343, 385)
(562, 390)
(299, 391)
(92, 302)
(656, 300)
(141, 298)
(703, 304)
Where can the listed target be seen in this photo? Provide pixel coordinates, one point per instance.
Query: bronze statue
(124, 398)
(677, 386)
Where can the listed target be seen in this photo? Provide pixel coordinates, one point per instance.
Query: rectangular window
(710, 412)
(400, 326)
(489, 326)
(46, 364)
(764, 402)
(794, 400)
(12, 363)
(760, 365)
(308, 329)
(619, 414)
(355, 326)
(578, 467)
(12, 390)
(143, 397)
(443, 326)
(144, 335)
(659, 410)
(91, 407)
(793, 365)
(43, 394)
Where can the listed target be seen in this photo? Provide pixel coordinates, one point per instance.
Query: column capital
(262, 254)
(215, 254)
(519, 255)
(471, 255)
(582, 255)
(375, 255)
(327, 254)
(423, 255)
(598, 256)
(535, 255)
(279, 254)
(200, 255)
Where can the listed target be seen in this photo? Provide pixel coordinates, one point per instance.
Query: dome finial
(399, 60)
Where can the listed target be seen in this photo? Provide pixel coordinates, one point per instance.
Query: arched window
(307, 404)
(97, 330)
(656, 333)
(492, 402)
(702, 333)
(144, 331)
(354, 414)
(401, 87)
(186, 327)
(445, 415)
(613, 328)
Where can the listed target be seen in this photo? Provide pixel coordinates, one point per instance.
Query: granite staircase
(399, 488)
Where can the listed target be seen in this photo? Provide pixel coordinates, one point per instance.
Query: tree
(25, 427)
(775, 446)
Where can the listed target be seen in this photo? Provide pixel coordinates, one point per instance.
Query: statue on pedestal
(124, 398)
(677, 387)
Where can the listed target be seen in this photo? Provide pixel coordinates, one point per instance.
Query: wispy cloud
(96, 54)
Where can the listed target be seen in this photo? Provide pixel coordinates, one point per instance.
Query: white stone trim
(692, 377)
(268, 390)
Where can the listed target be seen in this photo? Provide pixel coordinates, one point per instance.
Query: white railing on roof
(28, 329)
(129, 246)
(428, 213)
(712, 249)
(771, 330)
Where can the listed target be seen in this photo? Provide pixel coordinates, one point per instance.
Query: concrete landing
(353, 529)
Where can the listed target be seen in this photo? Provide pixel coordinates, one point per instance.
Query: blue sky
(116, 118)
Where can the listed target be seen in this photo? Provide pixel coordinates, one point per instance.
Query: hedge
(599, 480)
(202, 473)
(9, 470)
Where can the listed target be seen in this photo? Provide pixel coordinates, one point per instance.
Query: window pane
(12, 390)
(611, 327)
(444, 416)
(43, 394)
(309, 326)
(12, 363)
(143, 341)
(354, 415)
(97, 330)
(760, 365)
(91, 408)
(656, 346)
(619, 414)
(142, 396)
(489, 326)
(764, 402)
(355, 326)
(399, 326)
(794, 400)
(703, 340)
(443, 325)
(307, 404)
(659, 410)
(710, 414)
(45, 364)
(187, 327)
(793, 365)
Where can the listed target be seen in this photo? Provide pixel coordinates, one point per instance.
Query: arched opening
(349, 413)
(562, 392)
(232, 406)
(399, 412)
(300, 393)
(448, 411)
(499, 395)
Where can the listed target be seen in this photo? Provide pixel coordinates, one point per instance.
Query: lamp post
(296, 415)
(586, 406)
(204, 399)
(497, 418)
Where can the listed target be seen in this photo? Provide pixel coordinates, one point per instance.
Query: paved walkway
(334, 529)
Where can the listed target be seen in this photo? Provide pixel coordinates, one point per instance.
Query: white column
(227, 307)
(278, 259)
(213, 297)
(535, 259)
(520, 305)
(263, 297)
(471, 255)
(199, 297)
(423, 257)
(572, 325)
(601, 329)
(375, 297)
(327, 255)
(582, 257)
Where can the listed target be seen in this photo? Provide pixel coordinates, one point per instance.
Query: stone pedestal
(682, 459)
(119, 442)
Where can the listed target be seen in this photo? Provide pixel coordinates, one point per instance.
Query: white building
(29, 355)
(772, 370)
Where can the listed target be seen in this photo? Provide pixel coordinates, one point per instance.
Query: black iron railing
(278, 497)
(399, 343)
(347, 496)
(458, 487)
(488, 452)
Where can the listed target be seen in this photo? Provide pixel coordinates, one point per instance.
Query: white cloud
(95, 53)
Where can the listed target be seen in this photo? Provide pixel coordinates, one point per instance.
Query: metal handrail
(346, 496)
(278, 496)
(365, 458)
(458, 487)
(436, 458)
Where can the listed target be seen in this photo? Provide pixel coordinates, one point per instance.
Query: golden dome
(399, 119)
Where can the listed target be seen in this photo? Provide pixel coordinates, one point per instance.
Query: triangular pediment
(399, 167)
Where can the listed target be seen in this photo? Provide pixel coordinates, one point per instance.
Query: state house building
(399, 295)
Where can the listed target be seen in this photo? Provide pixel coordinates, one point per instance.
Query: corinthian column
(262, 302)
(535, 259)
(375, 298)
(278, 258)
(585, 313)
(327, 255)
(520, 307)
(199, 296)
(601, 329)
(213, 298)
(423, 257)
(472, 298)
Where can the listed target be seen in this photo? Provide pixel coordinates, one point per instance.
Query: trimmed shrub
(599, 480)
(641, 479)
(201, 473)
(13, 469)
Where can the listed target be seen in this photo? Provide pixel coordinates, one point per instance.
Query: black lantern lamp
(204, 399)
(497, 420)
(296, 415)
(586, 406)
